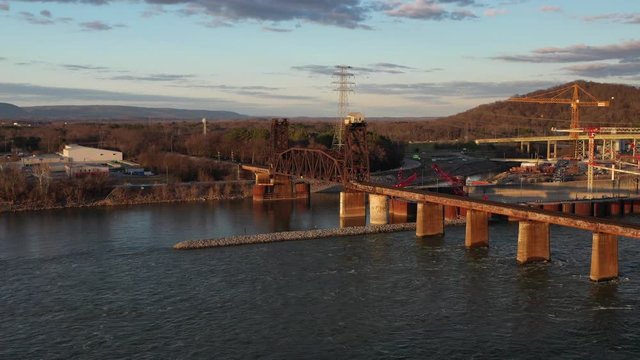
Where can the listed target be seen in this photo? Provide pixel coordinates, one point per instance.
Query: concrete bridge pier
(398, 211)
(378, 209)
(429, 219)
(533, 241)
(352, 209)
(477, 231)
(604, 257)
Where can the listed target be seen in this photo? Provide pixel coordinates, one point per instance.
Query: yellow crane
(561, 96)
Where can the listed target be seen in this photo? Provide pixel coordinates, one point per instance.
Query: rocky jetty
(291, 236)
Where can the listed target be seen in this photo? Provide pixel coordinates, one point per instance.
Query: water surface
(104, 283)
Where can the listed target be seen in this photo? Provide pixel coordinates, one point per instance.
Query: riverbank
(142, 195)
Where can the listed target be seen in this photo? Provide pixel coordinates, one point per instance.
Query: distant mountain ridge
(109, 112)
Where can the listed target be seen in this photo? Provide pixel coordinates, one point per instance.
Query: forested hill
(504, 118)
(10, 111)
(106, 112)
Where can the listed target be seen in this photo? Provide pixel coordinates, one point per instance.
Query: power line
(344, 85)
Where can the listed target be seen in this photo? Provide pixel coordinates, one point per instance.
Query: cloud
(627, 18)
(550, 9)
(426, 10)
(4, 6)
(602, 70)
(46, 94)
(578, 53)
(386, 68)
(351, 14)
(277, 30)
(495, 12)
(459, 2)
(263, 92)
(75, 67)
(34, 19)
(3, 58)
(154, 10)
(342, 13)
(45, 13)
(98, 26)
(155, 77)
(458, 89)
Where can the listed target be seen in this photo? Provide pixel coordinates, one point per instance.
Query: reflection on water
(104, 283)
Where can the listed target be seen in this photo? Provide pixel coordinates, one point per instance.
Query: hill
(504, 118)
(106, 112)
(11, 112)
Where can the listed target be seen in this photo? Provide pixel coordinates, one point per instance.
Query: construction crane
(560, 96)
(455, 182)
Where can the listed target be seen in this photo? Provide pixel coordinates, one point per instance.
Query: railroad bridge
(349, 166)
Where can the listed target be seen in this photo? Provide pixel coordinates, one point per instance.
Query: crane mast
(561, 96)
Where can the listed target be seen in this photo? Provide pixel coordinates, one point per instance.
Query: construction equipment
(555, 97)
(405, 182)
(591, 132)
(455, 182)
(560, 96)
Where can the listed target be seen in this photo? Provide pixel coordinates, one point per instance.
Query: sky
(278, 57)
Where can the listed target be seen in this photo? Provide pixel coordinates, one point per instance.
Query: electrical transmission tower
(344, 85)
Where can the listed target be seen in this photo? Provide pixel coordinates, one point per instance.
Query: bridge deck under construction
(525, 139)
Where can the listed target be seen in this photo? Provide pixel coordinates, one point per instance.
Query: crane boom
(456, 183)
(560, 96)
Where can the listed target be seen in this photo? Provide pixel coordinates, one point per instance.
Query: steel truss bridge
(348, 163)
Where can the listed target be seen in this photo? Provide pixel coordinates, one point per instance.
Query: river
(104, 283)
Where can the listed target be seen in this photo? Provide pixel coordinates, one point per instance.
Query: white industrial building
(78, 153)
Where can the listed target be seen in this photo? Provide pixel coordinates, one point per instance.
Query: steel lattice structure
(351, 163)
(309, 163)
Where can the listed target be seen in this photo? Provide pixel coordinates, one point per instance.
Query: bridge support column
(378, 209)
(533, 241)
(352, 209)
(398, 211)
(604, 257)
(429, 219)
(477, 232)
(552, 150)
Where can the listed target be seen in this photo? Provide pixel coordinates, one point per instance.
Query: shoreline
(102, 203)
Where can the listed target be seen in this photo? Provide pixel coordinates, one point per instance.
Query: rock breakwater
(291, 236)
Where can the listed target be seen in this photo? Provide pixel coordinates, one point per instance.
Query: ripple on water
(375, 296)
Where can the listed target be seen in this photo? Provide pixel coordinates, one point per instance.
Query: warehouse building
(78, 153)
